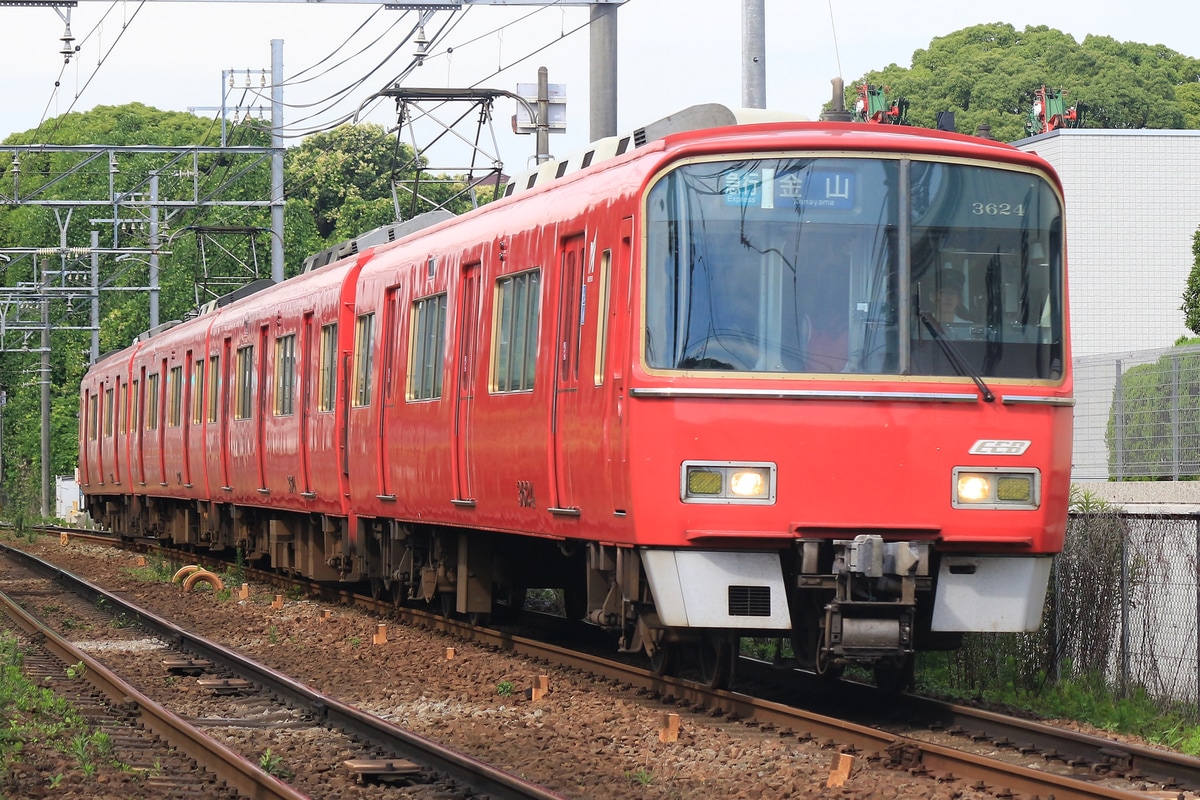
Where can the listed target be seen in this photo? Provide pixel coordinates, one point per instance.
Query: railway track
(986, 752)
(204, 693)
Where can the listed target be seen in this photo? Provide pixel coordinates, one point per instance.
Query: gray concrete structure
(1133, 205)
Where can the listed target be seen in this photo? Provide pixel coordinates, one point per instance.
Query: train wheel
(479, 619)
(377, 588)
(894, 675)
(447, 602)
(397, 594)
(716, 656)
(665, 659)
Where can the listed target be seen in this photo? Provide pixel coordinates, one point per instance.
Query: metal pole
(1196, 577)
(276, 160)
(153, 250)
(1175, 418)
(44, 380)
(1125, 607)
(754, 54)
(543, 120)
(1119, 426)
(603, 83)
(95, 296)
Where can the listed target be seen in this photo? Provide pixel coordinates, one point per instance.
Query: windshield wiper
(955, 355)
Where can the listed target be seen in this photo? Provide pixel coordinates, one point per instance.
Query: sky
(671, 53)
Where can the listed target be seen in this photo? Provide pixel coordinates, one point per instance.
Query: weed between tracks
(35, 718)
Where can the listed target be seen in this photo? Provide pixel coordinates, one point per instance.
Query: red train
(805, 380)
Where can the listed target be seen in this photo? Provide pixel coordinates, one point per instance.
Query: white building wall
(1133, 205)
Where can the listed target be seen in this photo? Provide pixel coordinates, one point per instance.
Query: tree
(1191, 294)
(988, 73)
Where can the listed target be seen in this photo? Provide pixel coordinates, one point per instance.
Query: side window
(198, 391)
(93, 411)
(243, 400)
(152, 402)
(108, 413)
(214, 386)
(123, 409)
(135, 408)
(602, 316)
(516, 332)
(327, 377)
(427, 344)
(285, 374)
(364, 346)
(175, 395)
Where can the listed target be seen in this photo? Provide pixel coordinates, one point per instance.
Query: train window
(243, 387)
(152, 402)
(427, 345)
(518, 302)
(123, 409)
(198, 391)
(175, 395)
(108, 413)
(93, 411)
(327, 377)
(135, 409)
(214, 386)
(602, 315)
(285, 374)
(364, 354)
(823, 265)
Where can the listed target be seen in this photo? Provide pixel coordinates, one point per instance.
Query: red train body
(703, 386)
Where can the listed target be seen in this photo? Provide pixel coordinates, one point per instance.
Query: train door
(309, 350)
(187, 398)
(572, 303)
(467, 354)
(260, 423)
(387, 392)
(226, 355)
(613, 360)
(139, 399)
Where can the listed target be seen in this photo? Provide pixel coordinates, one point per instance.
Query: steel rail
(482, 777)
(898, 749)
(221, 761)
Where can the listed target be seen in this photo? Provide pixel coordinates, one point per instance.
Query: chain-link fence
(1137, 415)
(1123, 607)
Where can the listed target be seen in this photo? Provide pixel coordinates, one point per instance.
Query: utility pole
(603, 72)
(44, 381)
(277, 201)
(754, 54)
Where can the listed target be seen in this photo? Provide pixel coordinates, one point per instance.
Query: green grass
(30, 715)
(1087, 699)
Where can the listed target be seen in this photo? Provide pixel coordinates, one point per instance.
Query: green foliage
(30, 714)
(988, 73)
(272, 764)
(1153, 427)
(1191, 293)
(504, 688)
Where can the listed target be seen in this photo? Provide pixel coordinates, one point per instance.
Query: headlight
(727, 482)
(993, 487)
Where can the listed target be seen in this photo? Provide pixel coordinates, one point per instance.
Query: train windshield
(854, 265)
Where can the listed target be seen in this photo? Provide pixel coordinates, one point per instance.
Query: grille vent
(749, 601)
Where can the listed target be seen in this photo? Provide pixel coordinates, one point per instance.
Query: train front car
(850, 423)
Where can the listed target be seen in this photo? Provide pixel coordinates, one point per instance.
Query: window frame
(427, 347)
(285, 375)
(516, 320)
(364, 359)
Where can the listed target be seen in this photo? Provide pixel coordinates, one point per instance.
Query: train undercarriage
(861, 601)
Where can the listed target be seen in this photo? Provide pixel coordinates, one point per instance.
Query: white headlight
(727, 482)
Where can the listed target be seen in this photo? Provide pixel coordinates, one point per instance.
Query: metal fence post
(1125, 607)
(1196, 576)
(1175, 417)
(1119, 424)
